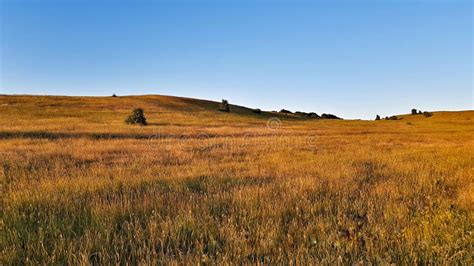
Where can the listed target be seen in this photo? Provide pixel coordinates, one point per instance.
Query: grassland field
(199, 186)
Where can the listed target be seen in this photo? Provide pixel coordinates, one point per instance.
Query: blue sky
(352, 58)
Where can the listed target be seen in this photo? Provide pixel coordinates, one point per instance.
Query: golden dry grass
(80, 186)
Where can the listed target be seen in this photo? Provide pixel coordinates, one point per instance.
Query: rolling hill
(79, 186)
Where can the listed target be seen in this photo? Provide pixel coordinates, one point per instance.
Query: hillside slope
(49, 112)
(84, 112)
(79, 186)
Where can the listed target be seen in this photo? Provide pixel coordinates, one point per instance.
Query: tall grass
(201, 186)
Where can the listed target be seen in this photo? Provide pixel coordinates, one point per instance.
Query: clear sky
(351, 58)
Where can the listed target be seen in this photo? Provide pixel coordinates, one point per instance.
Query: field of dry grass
(196, 185)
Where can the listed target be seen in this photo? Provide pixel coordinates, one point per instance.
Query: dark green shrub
(136, 118)
(394, 117)
(283, 111)
(224, 106)
(113, 95)
(329, 116)
(377, 117)
(413, 111)
(301, 113)
(309, 115)
(313, 115)
(257, 111)
(427, 114)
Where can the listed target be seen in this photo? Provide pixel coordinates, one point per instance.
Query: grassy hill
(86, 113)
(202, 186)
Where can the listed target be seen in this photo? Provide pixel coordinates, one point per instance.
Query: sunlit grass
(198, 185)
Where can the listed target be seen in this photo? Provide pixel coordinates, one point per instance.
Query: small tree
(224, 106)
(329, 116)
(377, 117)
(113, 95)
(413, 111)
(257, 111)
(313, 115)
(137, 117)
(301, 113)
(427, 114)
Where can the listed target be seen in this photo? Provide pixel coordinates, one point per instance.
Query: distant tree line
(413, 112)
(137, 117)
(419, 112)
(224, 106)
(310, 115)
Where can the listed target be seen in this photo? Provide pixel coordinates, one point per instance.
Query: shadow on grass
(67, 135)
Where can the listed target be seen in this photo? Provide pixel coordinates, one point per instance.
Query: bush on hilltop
(224, 106)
